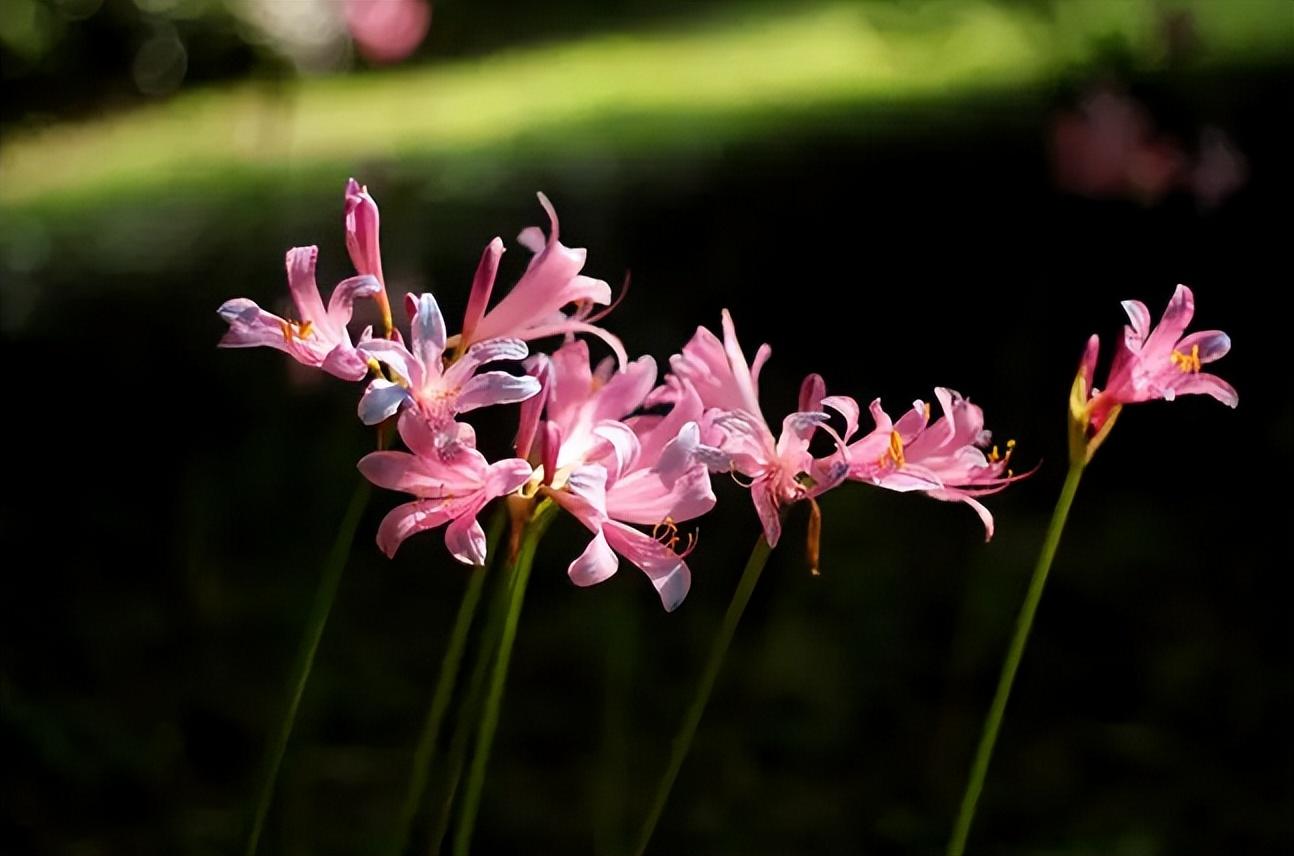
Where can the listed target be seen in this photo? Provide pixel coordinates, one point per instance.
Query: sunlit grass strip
(757, 64)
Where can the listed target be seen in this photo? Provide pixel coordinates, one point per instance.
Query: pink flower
(387, 31)
(1150, 363)
(782, 470)
(320, 337)
(421, 378)
(362, 243)
(612, 472)
(533, 308)
(452, 484)
(944, 460)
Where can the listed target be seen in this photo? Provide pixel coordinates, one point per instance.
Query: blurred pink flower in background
(1109, 147)
(387, 31)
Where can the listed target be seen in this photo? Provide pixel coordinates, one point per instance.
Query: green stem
(490, 718)
(1023, 623)
(468, 714)
(425, 750)
(683, 740)
(333, 567)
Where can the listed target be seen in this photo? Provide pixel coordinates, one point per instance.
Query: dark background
(168, 505)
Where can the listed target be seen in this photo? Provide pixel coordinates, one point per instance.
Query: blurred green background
(895, 194)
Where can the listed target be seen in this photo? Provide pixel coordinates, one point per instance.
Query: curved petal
(1213, 344)
(427, 331)
(626, 391)
(1176, 316)
(391, 353)
(505, 476)
(492, 388)
(300, 264)
(597, 563)
(465, 538)
(1139, 316)
(409, 519)
(345, 362)
(381, 400)
(668, 573)
(1207, 384)
(482, 353)
(341, 305)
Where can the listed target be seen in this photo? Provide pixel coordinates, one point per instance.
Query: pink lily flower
(781, 469)
(387, 31)
(452, 485)
(533, 308)
(420, 377)
(362, 243)
(320, 338)
(1150, 363)
(613, 474)
(944, 460)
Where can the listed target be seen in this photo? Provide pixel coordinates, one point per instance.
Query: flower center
(666, 532)
(1188, 363)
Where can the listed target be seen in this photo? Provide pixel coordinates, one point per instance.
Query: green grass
(657, 92)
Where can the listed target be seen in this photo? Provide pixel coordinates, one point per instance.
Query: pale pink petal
(466, 539)
(409, 519)
(300, 263)
(381, 400)
(585, 495)
(571, 381)
(597, 563)
(505, 476)
(1134, 335)
(427, 331)
(1087, 364)
(494, 350)
(668, 573)
(1213, 344)
(626, 391)
(250, 326)
(617, 448)
(742, 381)
(1176, 316)
(846, 407)
(490, 388)
(1207, 384)
(342, 303)
(409, 474)
(391, 353)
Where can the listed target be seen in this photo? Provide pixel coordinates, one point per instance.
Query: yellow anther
(894, 452)
(994, 456)
(1010, 444)
(1188, 363)
(927, 411)
(666, 532)
(295, 329)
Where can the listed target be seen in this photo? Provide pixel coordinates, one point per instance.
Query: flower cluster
(628, 453)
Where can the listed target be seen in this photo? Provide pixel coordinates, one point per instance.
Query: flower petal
(427, 331)
(668, 573)
(492, 388)
(765, 497)
(482, 284)
(409, 519)
(1214, 345)
(597, 563)
(466, 539)
(341, 305)
(381, 400)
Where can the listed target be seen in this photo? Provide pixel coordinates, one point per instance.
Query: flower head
(533, 308)
(452, 484)
(952, 458)
(319, 336)
(421, 378)
(1150, 363)
(612, 471)
(781, 469)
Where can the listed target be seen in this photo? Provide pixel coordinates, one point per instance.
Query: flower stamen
(894, 452)
(1188, 363)
(296, 329)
